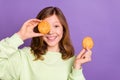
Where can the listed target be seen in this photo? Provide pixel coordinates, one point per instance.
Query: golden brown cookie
(87, 43)
(44, 27)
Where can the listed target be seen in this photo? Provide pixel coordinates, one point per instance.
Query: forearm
(9, 45)
(76, 75)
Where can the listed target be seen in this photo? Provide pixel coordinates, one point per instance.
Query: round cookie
(44, 27)
(87, 43)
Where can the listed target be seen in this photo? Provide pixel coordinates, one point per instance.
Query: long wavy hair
(39, 46)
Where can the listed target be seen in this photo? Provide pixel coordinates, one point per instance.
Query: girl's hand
(26, 31)
(83, 57)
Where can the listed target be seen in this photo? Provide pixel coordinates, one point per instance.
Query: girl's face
(55, 35)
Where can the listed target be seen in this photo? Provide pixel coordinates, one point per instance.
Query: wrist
(21, 36)
(77, 66)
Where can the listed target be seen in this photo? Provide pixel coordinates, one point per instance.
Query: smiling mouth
(51, 38)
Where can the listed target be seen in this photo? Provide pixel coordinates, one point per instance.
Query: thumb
(81, 53)
(38, 34)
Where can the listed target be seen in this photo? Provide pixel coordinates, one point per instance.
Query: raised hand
(83, 57)
(26, 30)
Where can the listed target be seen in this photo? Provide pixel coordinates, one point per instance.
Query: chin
(52, 45)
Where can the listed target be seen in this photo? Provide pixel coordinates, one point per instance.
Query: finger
(87, 57)
(33, 23)
(86, 54)
(82, 52)
(89, 52)
(38, 34)
(35, 20)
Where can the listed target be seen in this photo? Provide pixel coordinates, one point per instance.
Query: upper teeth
(51, 38)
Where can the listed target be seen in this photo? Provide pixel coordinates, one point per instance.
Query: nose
(51, 30)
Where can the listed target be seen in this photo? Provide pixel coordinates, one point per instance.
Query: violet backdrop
(96, 18)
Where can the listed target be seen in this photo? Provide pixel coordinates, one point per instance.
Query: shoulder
(20, 53)
(70, 60)
(26, 53)
(25, 49)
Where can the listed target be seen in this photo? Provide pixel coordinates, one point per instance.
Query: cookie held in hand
(87, 43)
(44, 27)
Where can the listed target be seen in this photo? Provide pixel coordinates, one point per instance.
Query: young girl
(50, 56)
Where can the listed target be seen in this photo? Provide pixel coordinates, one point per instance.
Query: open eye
(56, 26)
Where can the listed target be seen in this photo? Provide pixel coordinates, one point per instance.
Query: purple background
(96, 18)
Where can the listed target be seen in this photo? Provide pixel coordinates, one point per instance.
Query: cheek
(60, 31)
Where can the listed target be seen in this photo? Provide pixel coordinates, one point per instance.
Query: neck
(53, 49)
